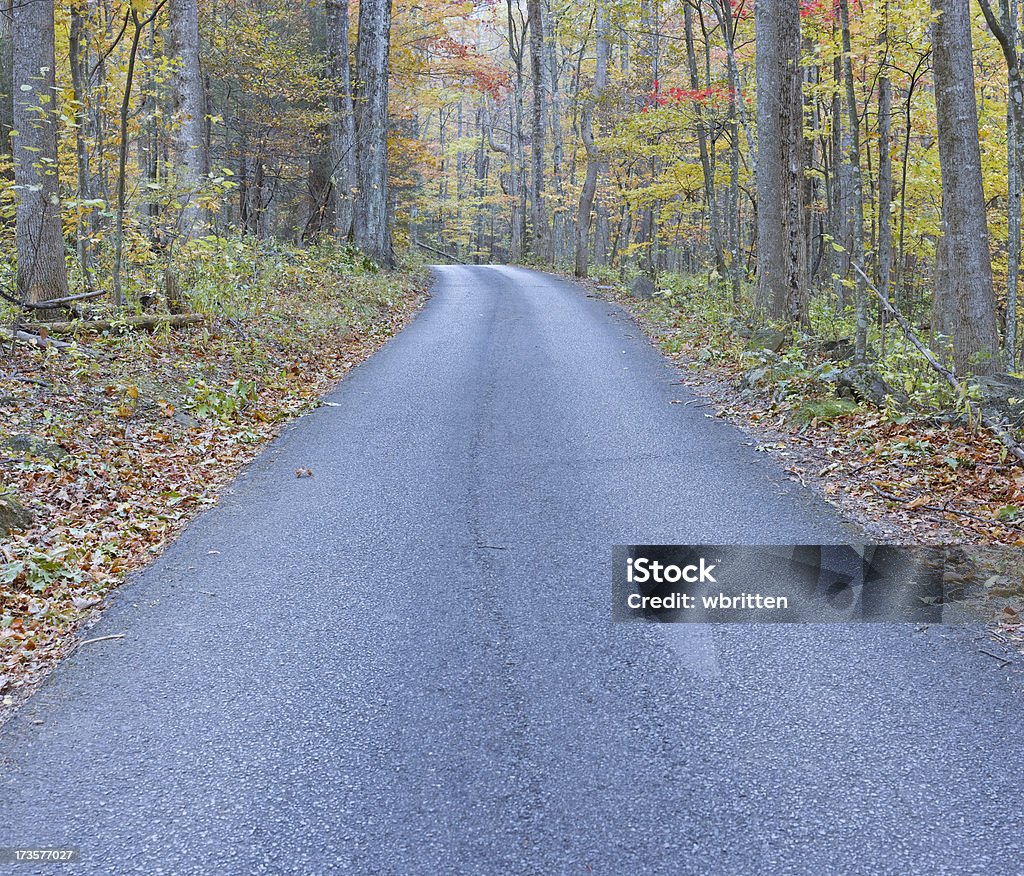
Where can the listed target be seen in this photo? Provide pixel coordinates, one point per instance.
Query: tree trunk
(42, 271)
(856, 203)
(781, 241)
(541, 244)
(372, 231)
(188, 135)
(969, 291)
(587, 134)
(78, 51)
(342, 115)
(6, 75)
(884, 176)
(1006, 32)
(702, 146)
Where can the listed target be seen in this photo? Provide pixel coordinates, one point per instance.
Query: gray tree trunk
(968, 298)
(6, 75)
(42, 271)
(702, 145)
(885, 188)
(541, 244)
(188, 134)
(587, 134)
(343, 132)
(851, 156)
(1006, 32)
(371, 229)
(781, 241)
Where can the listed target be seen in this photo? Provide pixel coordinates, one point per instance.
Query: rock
(1002, 396)
(13, 515)
(753, 377)
(767, 339)
(862, 383)
(642, 287)
(739, 328)
(838, 351)
(29, 445)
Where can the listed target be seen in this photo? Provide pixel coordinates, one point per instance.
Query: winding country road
(405, 664)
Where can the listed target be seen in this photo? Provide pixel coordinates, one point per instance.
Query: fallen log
(40, 341)
(147, 322)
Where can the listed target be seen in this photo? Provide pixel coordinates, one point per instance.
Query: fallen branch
(99, 639)
(994, 426)
(52, 303)
(439, 252)
(40, 341)
(1003, 662)
(147, 322)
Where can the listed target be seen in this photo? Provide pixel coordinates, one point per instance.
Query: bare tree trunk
(781, 241)
(78, 50)
(885, 191)
(42, 271)
(702, 146)
(343, 133)
(587, 134)
(559, 232)
(6, 75)
(856, 204)
(1006, 32)
(541, 244)
(188, 135)
(372, 231)
(969, 296)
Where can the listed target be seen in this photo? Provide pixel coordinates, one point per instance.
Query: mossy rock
(29, 445)
(767, 339)
(824, 410)
(13, 515)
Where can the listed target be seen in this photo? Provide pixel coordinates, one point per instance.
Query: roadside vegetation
(112, 444)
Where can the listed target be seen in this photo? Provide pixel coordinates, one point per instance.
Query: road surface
(405, 664)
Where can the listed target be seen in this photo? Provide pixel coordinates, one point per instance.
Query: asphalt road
(405, 664)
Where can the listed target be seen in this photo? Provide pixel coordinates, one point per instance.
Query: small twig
(1003, 662)
(99, 639)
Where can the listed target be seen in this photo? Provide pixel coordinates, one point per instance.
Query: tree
(587, 134)
(188, 139)
(1005, 29)
(964, 297)
(42, 271)
(541, 245)
(372, 231)
(781, 242)
(343, 135)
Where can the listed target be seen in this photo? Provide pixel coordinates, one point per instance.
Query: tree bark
(541, 244)
(371, 229)
(42, 271)
(188, 136)
(855, 206)
(343, 133)
(587, 135)
(969, 298)
(781, 241)
(1006, 33)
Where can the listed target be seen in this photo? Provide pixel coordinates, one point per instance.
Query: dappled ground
(912, 471)
(106, 451)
